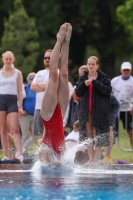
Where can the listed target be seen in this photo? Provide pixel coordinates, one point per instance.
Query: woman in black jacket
(94, 87)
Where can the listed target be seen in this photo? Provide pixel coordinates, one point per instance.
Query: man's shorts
(126, 118)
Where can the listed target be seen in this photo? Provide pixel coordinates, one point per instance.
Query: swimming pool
(20, 182)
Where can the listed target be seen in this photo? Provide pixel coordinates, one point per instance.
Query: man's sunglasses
(45, 58)
(31, 78)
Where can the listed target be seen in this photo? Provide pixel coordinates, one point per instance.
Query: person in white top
(73, 137)
(65, 119)
(122, 88)
(39, 86)
(72, 142)
(11, 81)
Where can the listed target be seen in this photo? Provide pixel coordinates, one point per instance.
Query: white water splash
(67, 164)
(15, 171)
(101, 171)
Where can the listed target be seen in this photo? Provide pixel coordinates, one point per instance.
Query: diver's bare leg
(50, 98)
(63, 91)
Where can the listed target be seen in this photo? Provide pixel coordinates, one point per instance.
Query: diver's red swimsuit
(54, 136)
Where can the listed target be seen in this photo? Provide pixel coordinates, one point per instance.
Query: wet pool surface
(27, 182)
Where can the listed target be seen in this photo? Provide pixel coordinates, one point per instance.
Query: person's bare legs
(63, 90)
(4, 136)
(10, 145)
(94, 154)
(14, 128)
(90, 150)
(90, 135)
(111, 139)
(50, 98)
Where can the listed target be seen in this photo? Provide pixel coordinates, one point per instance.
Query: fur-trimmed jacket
(100, 103)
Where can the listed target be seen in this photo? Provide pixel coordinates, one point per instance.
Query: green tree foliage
(5, 7)
(95, 26)
(21, 37)
(125, 17)
(49, 17)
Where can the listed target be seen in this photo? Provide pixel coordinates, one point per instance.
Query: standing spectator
(122, 88)
(94, 87)
(73, 114)
(11, 81)
(82, 69)
(26, 119)
(71, 143)
(73, 137)
(39, 85)
(114, 107)
(65, 119)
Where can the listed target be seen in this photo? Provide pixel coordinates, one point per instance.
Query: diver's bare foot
(62, 32)
(69, 32)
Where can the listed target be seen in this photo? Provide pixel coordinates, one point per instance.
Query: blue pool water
(18, 182)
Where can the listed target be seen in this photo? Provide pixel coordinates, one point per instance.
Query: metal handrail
(118, 138)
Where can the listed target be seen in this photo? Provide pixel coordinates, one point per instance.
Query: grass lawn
(121, 147)
(117, 153)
